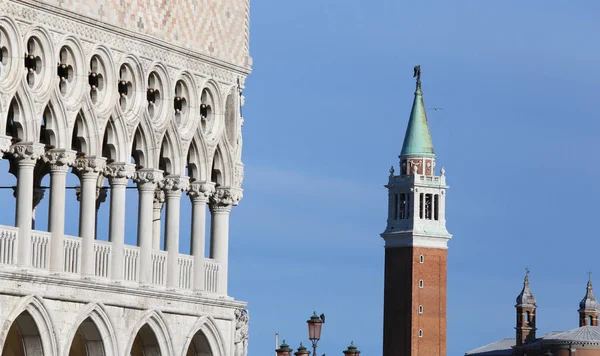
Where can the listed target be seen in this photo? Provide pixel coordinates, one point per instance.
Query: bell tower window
(527, 317)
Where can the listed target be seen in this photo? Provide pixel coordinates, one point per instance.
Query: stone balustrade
(103, 252)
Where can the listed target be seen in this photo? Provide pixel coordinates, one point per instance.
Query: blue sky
(325, 115)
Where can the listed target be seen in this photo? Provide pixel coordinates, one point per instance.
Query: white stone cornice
(414, 240)
(59, 159)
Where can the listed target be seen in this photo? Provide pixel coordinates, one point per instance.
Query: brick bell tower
(416, 241)
(526, 314)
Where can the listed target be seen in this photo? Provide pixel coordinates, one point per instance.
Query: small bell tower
(526, 314)
(416, 242)
(588, 307)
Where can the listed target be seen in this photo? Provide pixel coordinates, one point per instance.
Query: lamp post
(284, 350)
(352, 350)
(315, 324)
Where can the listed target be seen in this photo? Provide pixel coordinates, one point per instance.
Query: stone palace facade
(120, 92)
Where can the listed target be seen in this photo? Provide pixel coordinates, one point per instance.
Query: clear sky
(326, 111)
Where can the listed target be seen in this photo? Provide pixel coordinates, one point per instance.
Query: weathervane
(417, 74)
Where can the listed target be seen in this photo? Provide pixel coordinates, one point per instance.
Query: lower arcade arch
(87, 341)
(23, 338)
(199, 346)
(145, 343)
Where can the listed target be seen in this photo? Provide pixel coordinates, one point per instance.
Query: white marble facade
(81, 94)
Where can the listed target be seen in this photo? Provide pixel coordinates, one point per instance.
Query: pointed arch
(38, 320)
(198, 168)
(206, 327)
(18, 121)
(114, 141)
(151, 325)
(221, 167)
(97, 331)
(51, 128)
(84, 134)
(170, 158)
(143, 150)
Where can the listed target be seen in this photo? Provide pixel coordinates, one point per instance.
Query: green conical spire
(417, 141)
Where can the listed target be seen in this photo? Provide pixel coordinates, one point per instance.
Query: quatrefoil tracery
(65, 69)
(33, 61)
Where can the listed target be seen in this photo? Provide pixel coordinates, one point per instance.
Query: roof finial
(417, 74)
(590, 278)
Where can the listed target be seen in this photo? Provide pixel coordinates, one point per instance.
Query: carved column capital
(91, 166)
(224, 198)
(159, 199)
(201, 191)
(175, 185)
(148, 179)
(27, 152)
(119, 173)
(5, 143)
(59, 160)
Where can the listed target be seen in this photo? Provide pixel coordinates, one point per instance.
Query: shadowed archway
(23, 338)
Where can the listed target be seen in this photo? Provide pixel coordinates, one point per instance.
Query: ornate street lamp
(352, 350)
(284, 350)
(315, 323)
(302, 351)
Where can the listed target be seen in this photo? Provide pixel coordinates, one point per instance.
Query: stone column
(159, 200)
(173, 187)
(220, 207)
(88, 170)
(118, 176)
(26, 155)
(147, 180)
(199, 193)
(59, 161)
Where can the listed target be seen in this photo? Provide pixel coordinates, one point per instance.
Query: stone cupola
(588, 307)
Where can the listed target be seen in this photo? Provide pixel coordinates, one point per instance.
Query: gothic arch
(207, 327)
(99, 337)
(115, 139)
(221, 167)
(196, 160)
(46, 338)
(143, 149)
(21, 108)
(154, 321)
(85, 137)
(170, 157)
(52, 126)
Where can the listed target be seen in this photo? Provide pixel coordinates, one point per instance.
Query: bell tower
(588, 307)
(416, 242)
(526, 314)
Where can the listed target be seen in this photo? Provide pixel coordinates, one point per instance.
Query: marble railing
(40, 259)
